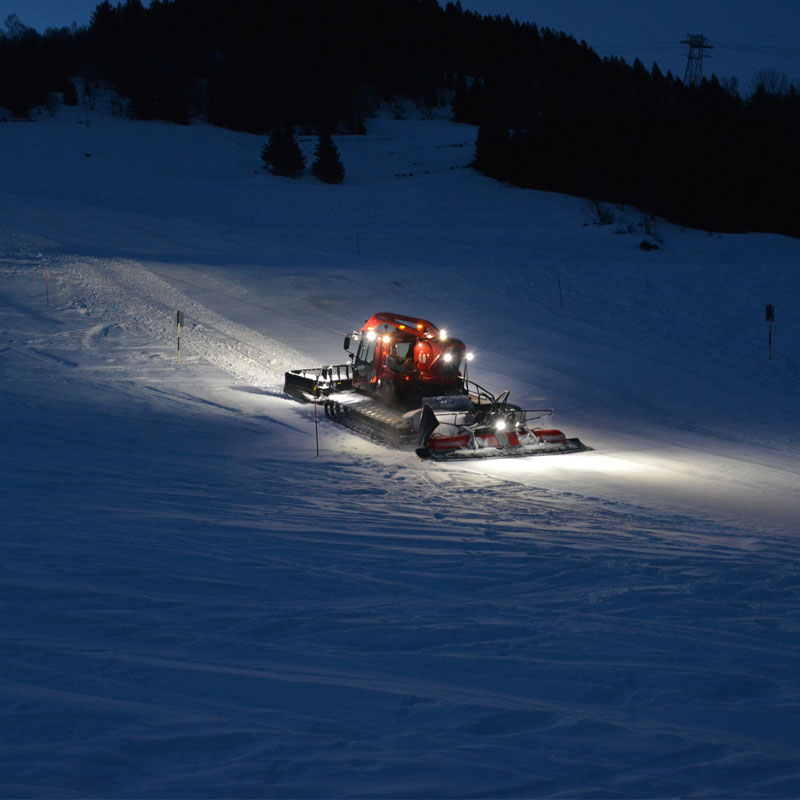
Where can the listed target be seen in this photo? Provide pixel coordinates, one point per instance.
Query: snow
(196, 605)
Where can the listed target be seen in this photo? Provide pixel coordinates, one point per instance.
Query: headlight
(371, 335)
(442, 334)
(470, 356)
(500, 425)
(448, 357)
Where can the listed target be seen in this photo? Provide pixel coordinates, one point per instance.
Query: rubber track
(373, 420)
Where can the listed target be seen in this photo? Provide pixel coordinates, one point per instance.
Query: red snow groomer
(406, 384)
(401, 359)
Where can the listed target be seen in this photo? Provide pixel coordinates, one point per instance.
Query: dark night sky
(748, 35)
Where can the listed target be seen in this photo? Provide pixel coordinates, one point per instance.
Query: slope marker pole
(179, 321)
(316, 422)
(770, 320)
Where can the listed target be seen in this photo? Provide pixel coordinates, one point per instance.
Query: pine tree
(70, 92)
(327, 165)
(282, 155)
(493, 151)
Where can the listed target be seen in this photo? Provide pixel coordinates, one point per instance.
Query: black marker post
(179, 322)
(770, 320)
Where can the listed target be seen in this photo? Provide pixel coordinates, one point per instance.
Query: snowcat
(406, 384)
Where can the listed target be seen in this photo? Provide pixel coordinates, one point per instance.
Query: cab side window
(365, 357)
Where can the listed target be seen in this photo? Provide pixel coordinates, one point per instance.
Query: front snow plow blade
(495, 432)
(489, 448)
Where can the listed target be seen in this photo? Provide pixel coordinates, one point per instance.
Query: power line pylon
(694, 58)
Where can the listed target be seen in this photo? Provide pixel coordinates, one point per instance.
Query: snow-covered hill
(193, 604)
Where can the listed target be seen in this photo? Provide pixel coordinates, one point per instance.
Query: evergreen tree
(282, 155)
(70, 93)
(493, 152)
(327, 165)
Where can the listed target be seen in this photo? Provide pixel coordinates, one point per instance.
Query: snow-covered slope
(194, 604)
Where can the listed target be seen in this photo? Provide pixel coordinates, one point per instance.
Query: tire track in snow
(137, 299)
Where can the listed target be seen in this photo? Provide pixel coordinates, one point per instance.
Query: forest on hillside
(551, 113)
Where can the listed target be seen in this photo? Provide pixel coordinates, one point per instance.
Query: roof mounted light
(443, 334)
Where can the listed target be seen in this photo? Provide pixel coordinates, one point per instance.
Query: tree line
(700, 155)
(32, 65)
(551, 113)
